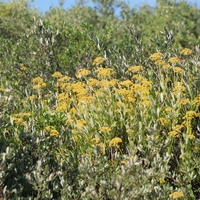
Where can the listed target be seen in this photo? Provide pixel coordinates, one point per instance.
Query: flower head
(176, 195)
(82, 73)
(115, 142)
(174, 134)
(57, 75)
(104, 72)
(156, 56)
(174, 60)
(99, 60)
(186, 52)
(105, 129)
(134, 69)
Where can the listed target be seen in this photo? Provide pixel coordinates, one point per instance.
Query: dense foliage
(96, 104)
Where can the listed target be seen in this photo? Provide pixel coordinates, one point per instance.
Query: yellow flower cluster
(176, 131)
(115, 142)
(38, 83)
(54, 133)
(190, 115)
(156, 56)
(51, 131)
(23, 67)
(105, 129)
(168, 109)
(178, 70)
(104, 72)
(174, 60)
(161, 180)
(176, 195)
(126, 83)
(80, 123)
(196, 100)
(64, 79)
(130, 131)
(174, 134)
(163, 121)
(57, 75)
(134, 69)
(20, 118)
(159, 62)
(82, 73)
(97, 61)
(191, 136)
(183, 101)
(95, 140)
(186, 52)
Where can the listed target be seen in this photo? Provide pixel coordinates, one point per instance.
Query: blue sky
(44, 5)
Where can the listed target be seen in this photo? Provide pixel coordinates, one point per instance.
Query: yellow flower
(18, 120)
(174, 60)
(161, 180)
(37, 80)
(178, 70)
(98, 61)
(72, 111)
(62, 97)
(49, 128)
(163, 121)
(104, 72)
(196, 149)
(61, 106)
(130, 131)
(95, 141)
(126, 83)
(183, 101)
(178, 128)
(159, 62)
(57, 75)
(64, 79)
(181, 156)
(115, 142)
(54, 133)
(196, 100)
(186, 52)
(105, 129)
(82, 73)
(69, 121)
(92, 82)
(23, 67)
(123, 162)
(134, 69)
(80, 123)
(191, 136)
(168, 109)
(107, 84)
(174, 134)
(39, 83)
(39, 86)
(176, 195)
(156, 56)
(190, 115)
